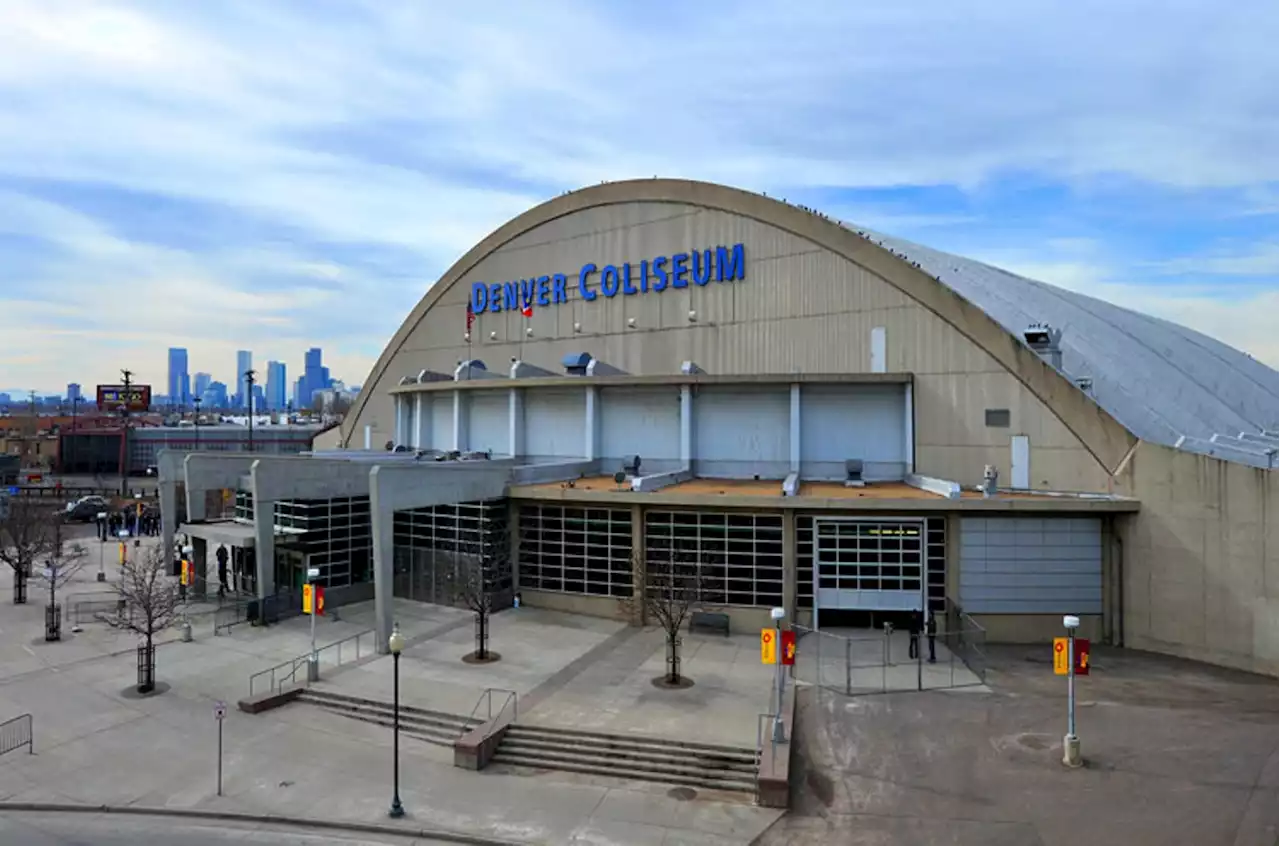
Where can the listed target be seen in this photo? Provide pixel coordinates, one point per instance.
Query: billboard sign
(113, 397)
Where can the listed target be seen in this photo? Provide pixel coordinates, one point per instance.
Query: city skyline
(198, 381)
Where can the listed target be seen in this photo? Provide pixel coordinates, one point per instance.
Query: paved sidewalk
(95, 742)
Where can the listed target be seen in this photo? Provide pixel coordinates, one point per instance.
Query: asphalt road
(32, 829)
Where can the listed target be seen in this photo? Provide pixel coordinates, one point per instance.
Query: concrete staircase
(431, 726)
(630, 757)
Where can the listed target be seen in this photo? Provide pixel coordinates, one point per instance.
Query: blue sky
(279, 175)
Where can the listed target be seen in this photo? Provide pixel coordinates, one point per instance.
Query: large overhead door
(869, 565)
(1017, 565)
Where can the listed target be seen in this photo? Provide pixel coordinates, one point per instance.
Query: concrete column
(795, 429)
(639, 561)
(168, 515)
(397, 404)
(382, 518)
(368, 437)
(421, 422)
(952, 557)
(591, 446)
(264, 543)
(909, 429)
(200, 563)
(515, 422)
(686, 426)
(461, 407)
(789, 586)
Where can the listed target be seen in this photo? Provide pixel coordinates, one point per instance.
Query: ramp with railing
(348, 650)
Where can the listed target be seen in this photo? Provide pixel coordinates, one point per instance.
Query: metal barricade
(17, 733)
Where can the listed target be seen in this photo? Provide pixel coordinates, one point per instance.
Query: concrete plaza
(1175, 753)
(97, 743)
(580, 672)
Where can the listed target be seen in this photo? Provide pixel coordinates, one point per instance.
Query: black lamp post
(124, 431)
(248, 399)
(195, 401)
(75, 402)
(395, 643)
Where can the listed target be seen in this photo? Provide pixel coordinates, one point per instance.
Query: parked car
(86, 508)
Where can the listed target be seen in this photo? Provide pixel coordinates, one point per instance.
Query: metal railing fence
(886, 661)
(486, 699)
(286, 672)
(17, 733)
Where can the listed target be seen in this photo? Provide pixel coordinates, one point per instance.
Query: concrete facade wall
(488, 418)
(1200, 559)
(800, 308)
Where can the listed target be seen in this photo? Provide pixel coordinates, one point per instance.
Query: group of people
(138, 524)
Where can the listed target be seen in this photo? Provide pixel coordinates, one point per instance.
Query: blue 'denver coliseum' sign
(699, 267)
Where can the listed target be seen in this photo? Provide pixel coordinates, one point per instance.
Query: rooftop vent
(990, 480)
(853, 473)
(576, 364)
(1046, 342)
(1085, 384)
(632, 467)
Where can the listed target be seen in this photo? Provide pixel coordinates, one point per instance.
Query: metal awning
(227, 531)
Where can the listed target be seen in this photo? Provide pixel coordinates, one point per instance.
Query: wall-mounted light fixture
(528, 331)
(693, 316)
(631, 321)
(493, 336)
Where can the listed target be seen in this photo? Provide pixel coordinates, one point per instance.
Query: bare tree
(473, 583)
(26, 538)
(672, 587)
(149, 606)
(59, 566)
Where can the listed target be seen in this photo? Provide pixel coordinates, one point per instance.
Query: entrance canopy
(225, 531)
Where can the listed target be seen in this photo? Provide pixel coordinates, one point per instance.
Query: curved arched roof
(1165, 383)
(1107, 440)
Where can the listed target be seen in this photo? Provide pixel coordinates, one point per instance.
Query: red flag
(471, 317)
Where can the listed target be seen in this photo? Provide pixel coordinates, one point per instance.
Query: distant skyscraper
(312, 376)
(215, 396)
(202, 383)
(244, 363)
(299, 390)
(179, 381)
(73, 392)
(259, 399)
(277, 385)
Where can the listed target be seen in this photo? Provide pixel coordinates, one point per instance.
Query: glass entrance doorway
(867, 570)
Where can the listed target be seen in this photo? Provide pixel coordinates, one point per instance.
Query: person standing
(221, 555)
(931, 629)
(913, 631)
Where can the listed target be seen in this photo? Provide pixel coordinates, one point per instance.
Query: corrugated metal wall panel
(554, 423)
(488, 422)
(640, 421)
(740, 433)
(1013, 565)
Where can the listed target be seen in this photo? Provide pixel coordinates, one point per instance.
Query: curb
(260, 819)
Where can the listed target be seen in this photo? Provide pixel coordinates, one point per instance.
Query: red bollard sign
(1060, 656)
(788, 647)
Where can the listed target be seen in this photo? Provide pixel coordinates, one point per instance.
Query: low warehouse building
(848, 425)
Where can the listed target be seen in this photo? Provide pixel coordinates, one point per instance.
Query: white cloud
(419, 128)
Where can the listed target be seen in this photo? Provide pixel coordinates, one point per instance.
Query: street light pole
(248, 389)
(195, 401)
(1071, 743)
(124, 432)
(395, 643)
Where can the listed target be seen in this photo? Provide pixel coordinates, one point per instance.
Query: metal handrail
(13, 737)
(286, 672)
(487, 697)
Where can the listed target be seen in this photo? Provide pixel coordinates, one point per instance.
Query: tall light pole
(248, 390)
(124, 433)
(75, 402)
(196, 402)
(396, 644)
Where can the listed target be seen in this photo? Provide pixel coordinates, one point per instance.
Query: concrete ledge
(538, 474)
(267, 701)
(773, 779)
(405, 831)
(475, 749)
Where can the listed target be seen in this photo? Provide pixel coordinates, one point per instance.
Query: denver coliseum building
(761, 359)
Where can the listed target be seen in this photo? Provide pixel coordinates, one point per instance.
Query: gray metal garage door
(1015, 565)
